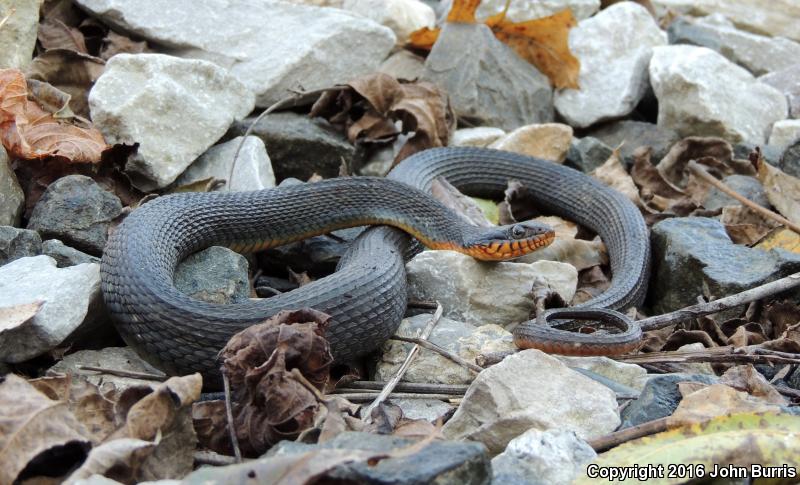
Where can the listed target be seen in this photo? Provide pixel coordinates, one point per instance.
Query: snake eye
(517, 231)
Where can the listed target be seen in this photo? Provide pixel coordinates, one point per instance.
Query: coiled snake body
(366, 297)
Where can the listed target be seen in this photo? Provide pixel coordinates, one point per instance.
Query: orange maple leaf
(544, 42)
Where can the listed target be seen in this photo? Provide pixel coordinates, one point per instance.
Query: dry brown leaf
(33, 426)
(613, 174)
(717, 400)
(29, 132)
(544, 42)
(121, 460)
(781, 238)
(783, 190)
(746, 378)
(55, 34)
(464, 206)
(69, 71)
(744, 225)
(115, 43)
(591, 283)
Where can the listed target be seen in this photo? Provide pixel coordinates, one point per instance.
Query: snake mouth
(509, 242)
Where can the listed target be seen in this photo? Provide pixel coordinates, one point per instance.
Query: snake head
(509, 242)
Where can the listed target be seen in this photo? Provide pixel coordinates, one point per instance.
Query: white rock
(630, 375)
(122, 358)
(479, 293)
(18, 34)
(71, 301)
(12, 199)
(428, 409)
(253, 168)
(614, 48)
(403, 64)
(527, 390)
(784, 133)
(402, 16)
(785, 81)
(481, 136)
(272, 47)
(555, 457)
(522, 10)
(175, 109)
(700, 93)
(545, 140)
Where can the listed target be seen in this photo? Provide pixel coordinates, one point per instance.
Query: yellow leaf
(782, 238)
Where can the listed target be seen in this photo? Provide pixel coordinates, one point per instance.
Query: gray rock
(300, 146)
(634, 134)
(402, 16)
(552, 457)
(694, 256)
(460, 338)
(770, 153)
(18, 35)
(660, 397)
(488, 83)
(71, 303)
(757, 53)
(481, 136)
(785, 81)
(428, 409)
(749, 187)
(477, 293)
(700, 93)
(253, 167)
(272, 47)
(175, 109)
(511, 397)
(587, 153)
(790, 160)
(614, 48)
(630, 375)
(215, 275)
(403, 64)
(784, 133)
(12, 199)
(18, 243)
(522, 10)
(64, 255)
(440, 462)
(77, 211)
(122, 358)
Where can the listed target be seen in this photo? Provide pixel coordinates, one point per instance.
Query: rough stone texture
(253, 167)
(18, 35)
(173, 108)
(403, 64)
(478, 293)
(427, 409)
(743, 150)
(12, 199)
(123, 358)
(18, 243)
(749, 187)
(587, 153)
(511, 397)
(215, 275)
(614, 48)
(488, 83)
(785, 133)
(693, 367)
(522, 10)
(630, 375)
(459, 338)
(402, 16)
(440, 462)
(550, 141)
(695, 256)
(77, 211)
(756, 53)
(700, 93)
(775, 18)
(71, 302)
(272, 47)
(659, 398)
(790, 160)
(482, 136)
(552, 457)
(300, 146)
(64, 255)
(634, 134)
(786, 82)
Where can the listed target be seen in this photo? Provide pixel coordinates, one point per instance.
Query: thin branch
(617, 438)
(742, 355)
(426, 332)
(212, 458)
(701, 172)
(435, 348)
(229, 414)
(369, 396)
(412, 387)
(124, 373)
(779, 286)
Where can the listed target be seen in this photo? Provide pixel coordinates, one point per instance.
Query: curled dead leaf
(783, 190)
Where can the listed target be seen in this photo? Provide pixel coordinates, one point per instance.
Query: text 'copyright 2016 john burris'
(647, 472)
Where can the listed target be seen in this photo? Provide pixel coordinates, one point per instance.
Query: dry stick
(716, 354)
(616, 438)
(213, 458)
(124, 373)
(418, 387)
(426, 332)
(435, 348)
(701, 172)
(229, 414)
(369, 396)
(778, 286)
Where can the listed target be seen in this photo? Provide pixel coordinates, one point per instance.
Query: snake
(366, 297)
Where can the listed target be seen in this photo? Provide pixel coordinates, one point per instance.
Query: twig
(229, 414)
(124, 373)
(213, 458)
(412, 387)
(616, 438)
(701, 172)
(428, 305)
(492, 358)
(369, 396)
(426, 332)
(742, 355)
(5, 19)
(435, 348)
(700, 309)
